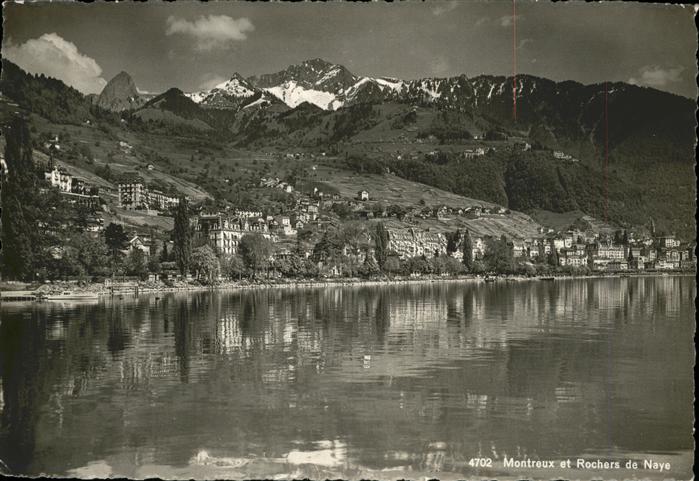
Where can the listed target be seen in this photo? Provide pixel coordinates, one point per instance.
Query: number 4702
(481, 463)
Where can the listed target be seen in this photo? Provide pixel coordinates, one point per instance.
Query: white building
(60, 178)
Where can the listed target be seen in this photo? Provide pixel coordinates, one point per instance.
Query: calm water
(380, 382)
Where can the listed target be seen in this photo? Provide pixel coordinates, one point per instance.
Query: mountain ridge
(650, 136)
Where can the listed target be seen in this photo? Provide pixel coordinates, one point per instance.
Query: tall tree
(553, 255)
(381, 241)
(499, 256)
(255, 251)
(19, 191)
(329, 247)
(91, 253)
(205, 263)
(182, 237)
(468, 252)
(453, 240)
(136, 264)
(235, 267)
(164, 255)
(116, 238)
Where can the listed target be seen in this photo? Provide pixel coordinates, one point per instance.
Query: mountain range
(551, 112)
(650, 134)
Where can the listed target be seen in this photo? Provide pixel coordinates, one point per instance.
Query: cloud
(656, 76)
(211, 31)
(445, 7)
(482, 20)
(210, 80)
(508, 20)
(51, 55)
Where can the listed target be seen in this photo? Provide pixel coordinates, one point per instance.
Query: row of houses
(76, 189)
(412, 242)
(136, 194)
(276, 183)
(578, 249)
(611, 257)
(558, 155)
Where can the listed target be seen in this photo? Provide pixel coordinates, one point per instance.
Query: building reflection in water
(499, 369)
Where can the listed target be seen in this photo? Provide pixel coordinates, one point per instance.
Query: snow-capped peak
(236, 86)
(293, 95)
(227, 94)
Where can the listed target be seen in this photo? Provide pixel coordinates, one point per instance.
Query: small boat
(72, 296)
(547, 278)
(489, 279)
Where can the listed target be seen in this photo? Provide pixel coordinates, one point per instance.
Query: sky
(192, 46)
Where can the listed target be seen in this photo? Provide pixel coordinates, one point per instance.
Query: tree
(116, 238)
(453, 240)
(438, 264)
(618, 236)
(136, 264)
(453, 266)
(552, 258)
(255, 251)
(395, 210)
(182, 237)
(292, 265)
(343, 211)
(370, 267)
(468, 252)
(235, 267)
(82, 215)
(419, 265)
(392, 265)
(499, 256)
(91, 253)
(378, 210)
(154, 264)
(205, 263)
(381, 241)
(18, 192)
(352, 235)
(329, 247)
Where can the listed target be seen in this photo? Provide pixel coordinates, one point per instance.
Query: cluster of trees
(46, 237)
(48, 97)
(254, 255)
(363, 164)
(43, 236)
(421, 265)
(445, 134)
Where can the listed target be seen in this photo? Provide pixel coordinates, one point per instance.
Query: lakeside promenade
(148, 287)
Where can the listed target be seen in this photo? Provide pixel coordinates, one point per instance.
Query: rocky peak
(120, 93)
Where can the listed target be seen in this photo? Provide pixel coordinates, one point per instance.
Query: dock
(17, 295)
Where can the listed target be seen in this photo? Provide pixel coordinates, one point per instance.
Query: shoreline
(148, 288)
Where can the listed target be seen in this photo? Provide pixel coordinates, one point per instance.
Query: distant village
(300, 230)
(574, 249)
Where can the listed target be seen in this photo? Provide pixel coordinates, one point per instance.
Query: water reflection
(415, 377)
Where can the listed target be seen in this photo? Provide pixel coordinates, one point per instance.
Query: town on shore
(53, 229)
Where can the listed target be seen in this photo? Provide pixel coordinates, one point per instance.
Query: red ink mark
(514, 60)
(606, 155)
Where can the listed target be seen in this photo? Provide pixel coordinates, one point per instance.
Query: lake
(379, 382)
